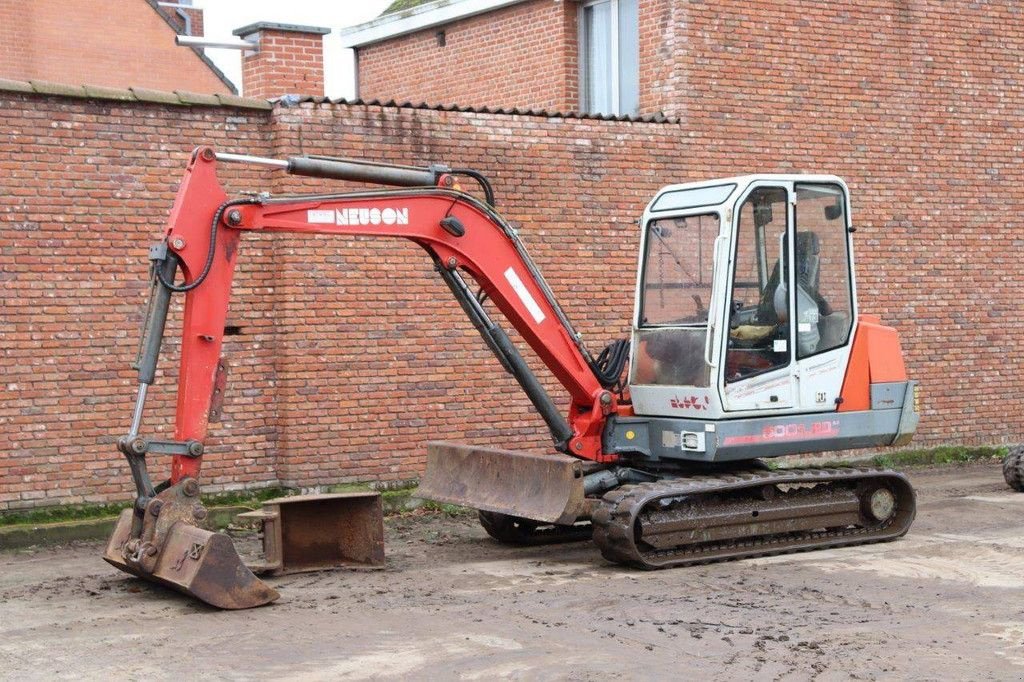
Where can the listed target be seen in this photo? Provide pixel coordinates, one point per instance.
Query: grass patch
(78, 512)
(925, 457)
(944, 454)
(447, 509)
(903, 459)
(88, 512)
(238, 498)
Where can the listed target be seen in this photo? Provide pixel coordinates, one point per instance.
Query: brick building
(111, 43)
(728, 63)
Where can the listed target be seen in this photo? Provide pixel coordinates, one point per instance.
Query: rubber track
(614, 521)
(1013, 468)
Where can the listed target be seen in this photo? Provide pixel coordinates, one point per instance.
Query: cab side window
(824, 296)
(675, 296)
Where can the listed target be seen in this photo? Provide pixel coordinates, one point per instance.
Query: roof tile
(15, 86)
(197, 98)
(100, 92)
(182, 98)
(293, 100)
(156, 96)
(247, 102)
(51, 88)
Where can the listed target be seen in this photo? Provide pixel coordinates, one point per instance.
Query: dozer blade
(200, 563)
(545, 488)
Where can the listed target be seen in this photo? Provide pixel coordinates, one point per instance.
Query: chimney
(289, 60)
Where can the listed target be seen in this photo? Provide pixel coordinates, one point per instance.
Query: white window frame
(614, 57)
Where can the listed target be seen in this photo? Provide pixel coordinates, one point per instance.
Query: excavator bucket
(197, 562)
(545, 488)
(172, 551)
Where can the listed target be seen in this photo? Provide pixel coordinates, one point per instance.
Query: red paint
(692, 402)
(787, 432)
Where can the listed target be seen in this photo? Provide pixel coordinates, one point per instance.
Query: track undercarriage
(703, 518)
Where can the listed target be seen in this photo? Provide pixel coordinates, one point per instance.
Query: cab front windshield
(675, 296)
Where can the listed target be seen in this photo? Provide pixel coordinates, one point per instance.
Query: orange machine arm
(461, 234)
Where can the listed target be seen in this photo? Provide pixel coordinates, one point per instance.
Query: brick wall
(192, 26)
(919, 106)
(520, 56)
(197, 20)
(76, 41)
(352, 355)
(524, 56)
(87, 185)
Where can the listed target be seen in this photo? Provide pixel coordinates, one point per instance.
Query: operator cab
(745, 298)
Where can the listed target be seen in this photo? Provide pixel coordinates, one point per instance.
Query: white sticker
(803, 327)
(320, 217)
(524, 295)
(780, 346)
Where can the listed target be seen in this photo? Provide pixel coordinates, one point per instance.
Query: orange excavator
(746, 344)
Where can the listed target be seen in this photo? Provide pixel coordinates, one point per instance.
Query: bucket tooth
(545, 488)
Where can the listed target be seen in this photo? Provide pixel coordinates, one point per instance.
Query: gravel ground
(943, 603)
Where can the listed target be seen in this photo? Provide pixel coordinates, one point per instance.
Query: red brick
(114, 43)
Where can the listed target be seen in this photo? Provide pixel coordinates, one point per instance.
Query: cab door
(758, 368)
(825, 310)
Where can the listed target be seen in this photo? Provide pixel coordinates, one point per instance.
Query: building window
(609, 57)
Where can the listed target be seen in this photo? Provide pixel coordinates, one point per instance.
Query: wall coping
(249, 29)
(177, 97)
(193, 99)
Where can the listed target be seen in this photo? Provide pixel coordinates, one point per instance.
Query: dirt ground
(943, 603)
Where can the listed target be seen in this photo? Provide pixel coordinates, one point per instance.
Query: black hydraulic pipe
(485, 184)
(399, 176)
(499, 343)
(154, 333)
(165, 263)
(561, 432)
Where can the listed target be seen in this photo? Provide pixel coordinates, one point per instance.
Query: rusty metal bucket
(317, 532)
(165, 546)
(545, 488)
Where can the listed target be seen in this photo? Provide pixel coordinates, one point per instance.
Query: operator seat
(773, 307)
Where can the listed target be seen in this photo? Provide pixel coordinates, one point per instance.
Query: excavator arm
(462, 235)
